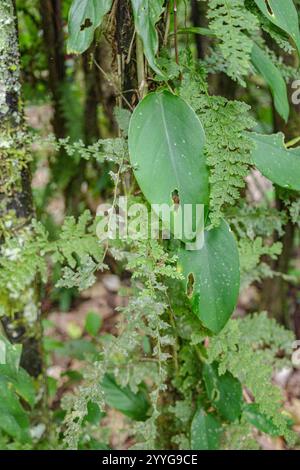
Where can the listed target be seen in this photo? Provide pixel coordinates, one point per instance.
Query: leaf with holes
(166, 146)
(224, 391)
(283, 14)
(146, 15)
(275, 161)
(215, 277)
(205, 431)
(84, 17)
(274, 79)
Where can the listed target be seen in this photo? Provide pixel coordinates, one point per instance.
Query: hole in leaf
(87, 24)
(175, 197)
(190, 285)
(269, 7)
(176, 200)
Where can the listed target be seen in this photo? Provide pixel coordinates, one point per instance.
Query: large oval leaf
(146, 15)
(84, 17)
(283, 14)
(224, 391)
(213, 275)
(166, 145)
(276, 162)
(205, 431)
(274, 79)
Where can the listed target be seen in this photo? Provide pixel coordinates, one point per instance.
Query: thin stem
(140, 63)
(113, 84)
(173, 324)
(175, 33)
(168, 20)
(292, 142)
(130, 48)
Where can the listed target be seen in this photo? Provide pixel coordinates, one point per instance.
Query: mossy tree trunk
(16, 208)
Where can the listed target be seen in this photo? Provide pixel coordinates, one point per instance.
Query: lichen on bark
(16, 208)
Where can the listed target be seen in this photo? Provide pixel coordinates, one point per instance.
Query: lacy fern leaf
(231, 21)
(228, 148)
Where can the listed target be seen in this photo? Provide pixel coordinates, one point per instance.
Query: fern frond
(233, 25)
(228, 148)
(251, 359)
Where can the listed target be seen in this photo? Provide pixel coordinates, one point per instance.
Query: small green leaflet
(166, 146)
(224, 391)
(133, 405)
(93, 323)
(146, 15)
(84, 17)
(205, 431)
(94, 414)
(14, 383)
(216, 277)
(13, 418)
(196, 30)
(276, 162)
(283, 14)
(255, 417)
(274, 79)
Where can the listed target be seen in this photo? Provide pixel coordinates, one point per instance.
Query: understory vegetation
(114, 335)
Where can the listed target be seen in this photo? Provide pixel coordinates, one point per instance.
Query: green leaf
(205, 431)
(224, 391)
(146, 15)
(93, 323)
(196, 30)
(77, 348)
(18, 379)
(283, 14)
(214, 274)
(133, 405)
(10, 354)
(274, 79)
(259, 420)
(276, 162)
(84, 17)
(94, 414)
(166, 145)
(13, 418)
(21, 381)
(123, 119)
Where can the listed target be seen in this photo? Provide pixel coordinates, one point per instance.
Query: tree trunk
(91, 125)
(15, 194)
(123, 39)
(54, 46)
(199, 19)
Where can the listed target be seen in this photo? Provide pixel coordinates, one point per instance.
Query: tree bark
(54, 46)
(199, 19)
(123, 39)
(15, 195)
(91, 126)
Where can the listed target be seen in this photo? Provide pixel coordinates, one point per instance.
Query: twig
(113, 85)
(292, 142)
(175, 33)
(142, 83)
